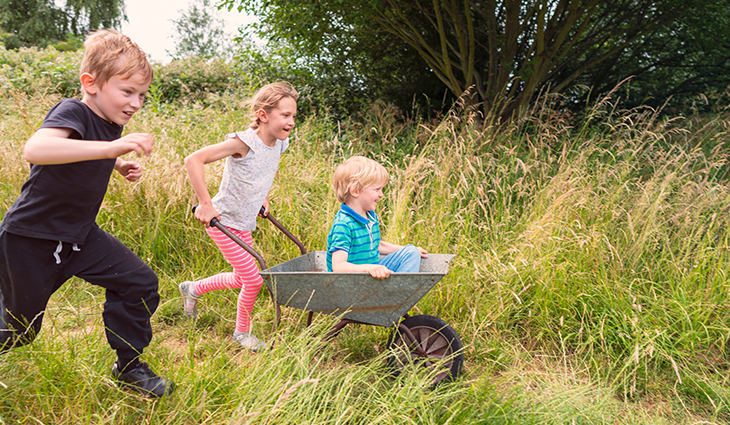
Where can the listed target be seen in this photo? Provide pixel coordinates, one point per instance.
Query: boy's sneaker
(190, 299)
(248, 340)
(143, 380)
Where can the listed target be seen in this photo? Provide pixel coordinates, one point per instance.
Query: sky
(150, 24)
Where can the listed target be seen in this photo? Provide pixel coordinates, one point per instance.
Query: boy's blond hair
(109, 53)
(268, 98)
(357, 173)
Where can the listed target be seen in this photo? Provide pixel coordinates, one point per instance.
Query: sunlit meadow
(590, 283)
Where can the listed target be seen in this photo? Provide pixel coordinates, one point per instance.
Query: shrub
(193, 79)
(39, 71)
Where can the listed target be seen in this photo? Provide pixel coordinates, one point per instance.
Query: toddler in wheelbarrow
(353, 243)
(360, 279)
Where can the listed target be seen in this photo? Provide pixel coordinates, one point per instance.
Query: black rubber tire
(434, 340)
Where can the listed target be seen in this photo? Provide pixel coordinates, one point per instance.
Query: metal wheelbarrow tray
(303, 283)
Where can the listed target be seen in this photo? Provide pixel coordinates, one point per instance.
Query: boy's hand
(137, 142)
(340, 265)
(128, 169)
(379, 272)
(424, 253)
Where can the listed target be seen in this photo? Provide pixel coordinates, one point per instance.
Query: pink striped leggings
(245, 275)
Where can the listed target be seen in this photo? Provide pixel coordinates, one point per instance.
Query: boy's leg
(131, 291)
(29, 275)
(131, 299)
(404, 260)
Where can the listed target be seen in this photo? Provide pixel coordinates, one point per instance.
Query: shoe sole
(191, 314)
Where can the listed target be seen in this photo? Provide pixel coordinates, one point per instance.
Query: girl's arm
(194, 164)
(266, 206)
(49, 146)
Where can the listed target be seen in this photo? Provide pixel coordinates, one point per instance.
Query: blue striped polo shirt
(357, 235)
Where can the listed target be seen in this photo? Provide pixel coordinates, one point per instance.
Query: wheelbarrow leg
(277, 307)
(337, 328)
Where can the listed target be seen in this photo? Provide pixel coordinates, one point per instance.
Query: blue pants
(405, 260)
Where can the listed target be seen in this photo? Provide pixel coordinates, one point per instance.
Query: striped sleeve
(339, 238)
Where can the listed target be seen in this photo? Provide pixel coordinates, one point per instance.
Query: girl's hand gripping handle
(217, 224)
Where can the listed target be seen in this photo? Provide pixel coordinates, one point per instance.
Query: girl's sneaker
(248, 340)
(190, 298)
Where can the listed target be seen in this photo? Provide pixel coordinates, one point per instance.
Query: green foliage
(504, 54)
(590, 283)
(199, 32)
(50, 71)
(194, 79)
(43, 22)
(680, 68)
(320, 88)
(10, 41)
(342, 67)
(73, 42)
(45, 71)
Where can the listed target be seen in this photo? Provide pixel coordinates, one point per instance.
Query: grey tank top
(246, 181)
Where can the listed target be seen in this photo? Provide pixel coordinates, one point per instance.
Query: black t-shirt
(60, 202)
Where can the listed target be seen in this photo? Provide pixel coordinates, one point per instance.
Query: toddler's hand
(424, 253)
(379, 272)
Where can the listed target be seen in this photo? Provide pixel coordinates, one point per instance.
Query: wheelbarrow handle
(283, 229)
(273, 221)
(214, 222)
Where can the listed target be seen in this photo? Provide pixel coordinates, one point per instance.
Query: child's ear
(354, 191)
(88, 83)
(261, 114)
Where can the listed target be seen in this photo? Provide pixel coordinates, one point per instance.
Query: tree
(673, 67)
(42, 22)
(500, 52)
(357, 64)
(199, 32)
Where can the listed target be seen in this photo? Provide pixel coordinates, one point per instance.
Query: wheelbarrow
(305, 284)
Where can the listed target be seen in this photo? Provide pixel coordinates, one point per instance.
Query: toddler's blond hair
(357, 173)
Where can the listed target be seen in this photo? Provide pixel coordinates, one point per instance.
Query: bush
(39, 71)
(193, 80)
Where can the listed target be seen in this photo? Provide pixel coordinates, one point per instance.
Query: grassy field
(590, 284)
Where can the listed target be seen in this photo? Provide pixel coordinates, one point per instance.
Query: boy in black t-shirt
(50, 233)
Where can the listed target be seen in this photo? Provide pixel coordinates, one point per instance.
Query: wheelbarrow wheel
(426, 341)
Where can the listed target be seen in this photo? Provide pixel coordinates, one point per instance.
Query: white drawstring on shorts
(60, 247)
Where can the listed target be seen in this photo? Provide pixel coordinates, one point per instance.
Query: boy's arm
(130, 170)
(48, 146)
(340, 265)
(386, 248)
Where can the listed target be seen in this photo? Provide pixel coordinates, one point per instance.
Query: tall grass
(589, 286)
